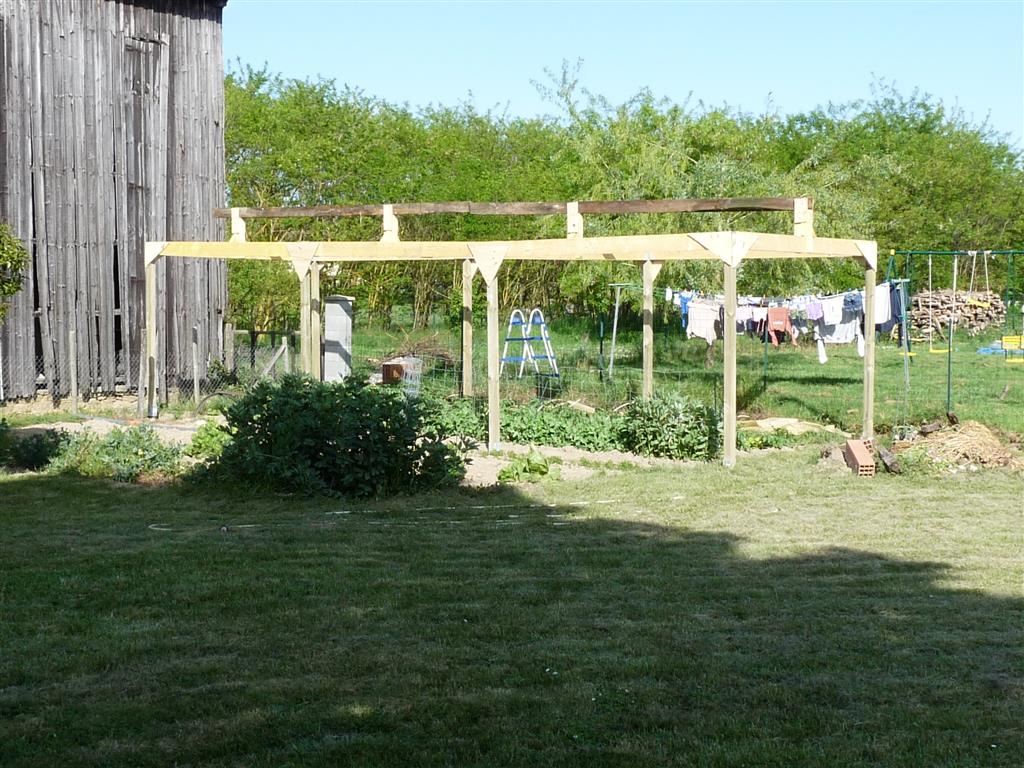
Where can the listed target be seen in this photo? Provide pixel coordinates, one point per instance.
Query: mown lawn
(772, 616)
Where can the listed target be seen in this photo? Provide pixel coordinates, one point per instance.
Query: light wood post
(650, 274)
(229, 347)
(729, 385)
(238, 233)
(305, 334)
(151, 340)
(493, 367)
(488, 258)
(468, 271)
(315, 324)
(868, 430)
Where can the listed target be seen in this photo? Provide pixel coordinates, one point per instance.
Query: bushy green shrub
(122, 455)
(674, 427)
(33, 452)
(208, 442)
(36, 451)
(345, 438)
(454, 416)
(556, 426)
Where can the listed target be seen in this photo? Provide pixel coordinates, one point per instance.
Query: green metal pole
(764, 374)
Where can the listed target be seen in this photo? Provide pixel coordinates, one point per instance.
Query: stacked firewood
(930, 311)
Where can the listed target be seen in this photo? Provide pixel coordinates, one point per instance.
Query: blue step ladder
(526, 329)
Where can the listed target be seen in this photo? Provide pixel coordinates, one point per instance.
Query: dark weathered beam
(691, 205)
(684, 205)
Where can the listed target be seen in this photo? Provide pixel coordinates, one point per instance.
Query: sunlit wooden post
(650, 274)
(468, 272)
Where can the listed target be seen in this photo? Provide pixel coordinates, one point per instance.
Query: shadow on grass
(476, 628)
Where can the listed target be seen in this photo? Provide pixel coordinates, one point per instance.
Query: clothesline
(831, 319)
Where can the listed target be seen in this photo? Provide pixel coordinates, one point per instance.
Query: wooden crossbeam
(679, 205)
(673, 247)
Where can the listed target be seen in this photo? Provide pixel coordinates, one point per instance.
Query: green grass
(794, 384)
(773, 615)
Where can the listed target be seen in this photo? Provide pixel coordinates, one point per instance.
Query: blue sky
(779, 56)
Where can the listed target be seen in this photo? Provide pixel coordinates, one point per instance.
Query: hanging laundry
(883, 306)
(704, 320)
(831, 310)
(778, 322)
(814, 310)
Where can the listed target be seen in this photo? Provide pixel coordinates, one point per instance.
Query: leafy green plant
(36, 451)
(525, 468)
(123, 455)
(13, 258)
(674, 427)
(345, 438)
(553, 425)
(749, 440)
(454, 416)
(208, 442)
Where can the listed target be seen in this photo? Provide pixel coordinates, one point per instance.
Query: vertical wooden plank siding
(111, 134)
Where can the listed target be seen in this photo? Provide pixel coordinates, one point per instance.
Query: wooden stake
(315, 329)
(493, 363)
(868, 430)
(151, 339)
(305, 335)
(650, 274)
(468, 271)
(729, 385)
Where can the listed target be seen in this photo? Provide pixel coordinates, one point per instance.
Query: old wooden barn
(111, 134)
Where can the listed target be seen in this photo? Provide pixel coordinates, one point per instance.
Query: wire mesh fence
(780, 381)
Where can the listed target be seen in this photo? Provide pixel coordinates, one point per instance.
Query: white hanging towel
(883, 307)
(703, 320)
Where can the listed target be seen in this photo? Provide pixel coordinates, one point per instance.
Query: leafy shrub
(749, 440)
(560, 425)
(13, 258)
(122, 455)
(35, 451)
(5, 442)
(459, 416)
(208, 442)
(674, 427)
(529, 468)
(344, 438)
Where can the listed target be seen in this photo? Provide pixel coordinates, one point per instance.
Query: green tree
(13, 259)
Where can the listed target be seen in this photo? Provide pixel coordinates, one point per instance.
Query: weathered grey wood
(683, 205)
(195, 365)
(73, 365)
(111, 133)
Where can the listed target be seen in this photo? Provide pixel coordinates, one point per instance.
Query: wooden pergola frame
(651, 251)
